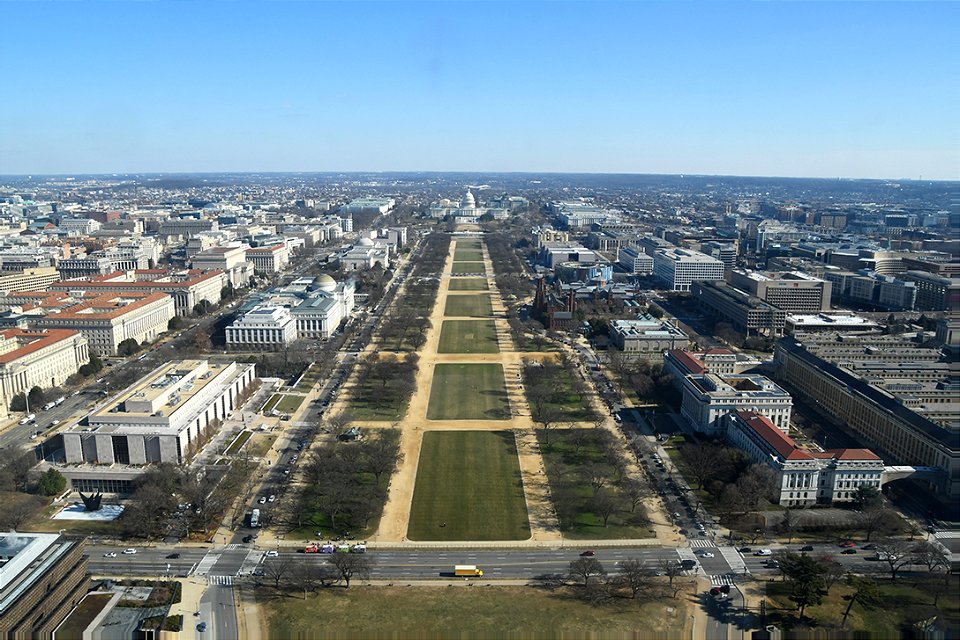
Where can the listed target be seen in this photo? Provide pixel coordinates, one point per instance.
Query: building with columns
(265, 327)
(708, 398)
(166, 416)
(187, 287)
(38, 358)
(804, 477)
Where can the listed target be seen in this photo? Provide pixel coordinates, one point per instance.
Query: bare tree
(833, 571)
(864, 591)
(14, 515)
(931, 556)
(605, 504)
(701, 460)
(586, 569)
(596, 475)
(278, 569)
(634, 576)
(873, 521)
(351, 565)
(635, 490)
(896, 553)
(382, 454)
(670, 568)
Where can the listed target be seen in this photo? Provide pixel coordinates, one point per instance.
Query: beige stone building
(38, 358)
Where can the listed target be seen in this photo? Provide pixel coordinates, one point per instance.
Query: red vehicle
(847, 545)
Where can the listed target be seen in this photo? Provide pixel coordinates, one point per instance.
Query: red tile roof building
(38, 358)
(804, 476)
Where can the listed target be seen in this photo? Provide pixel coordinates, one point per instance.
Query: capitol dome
(365, 242)
(468, 201)
(325, 283)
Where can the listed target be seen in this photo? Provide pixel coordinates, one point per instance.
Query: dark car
(848, 552)
(869, 547)
(744, 549)
(202, 627)
(715, 591)
(806, 547)
(589, 553)
(724, 588)
(173, 556)
(247, 539)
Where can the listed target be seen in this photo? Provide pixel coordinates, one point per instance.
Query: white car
(129, 552)
(763, 552)
(272, 554)
(272, 498)
(706, 554)
(54, 423)
(110, 554)
(262, 500)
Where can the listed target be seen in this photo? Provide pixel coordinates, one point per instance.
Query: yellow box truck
(467, 570)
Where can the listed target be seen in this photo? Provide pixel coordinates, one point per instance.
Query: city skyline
(808, 90)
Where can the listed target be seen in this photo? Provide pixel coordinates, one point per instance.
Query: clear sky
(866, 89)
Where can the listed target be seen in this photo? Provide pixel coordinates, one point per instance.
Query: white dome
(468, 201)
(365, 242)
(326, 283)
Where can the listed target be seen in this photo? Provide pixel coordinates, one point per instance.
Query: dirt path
(543, 522)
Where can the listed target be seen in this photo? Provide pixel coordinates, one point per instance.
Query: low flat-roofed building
(748, 314)
(553, 254)
(163, 417)
(791, 291)
(231, 259)
(37, 279)
(708, 397)
(42, 578)
(38, 358)
(829, 321)
(805, 477)
(107, 320)
(680, 363)
(646, 336)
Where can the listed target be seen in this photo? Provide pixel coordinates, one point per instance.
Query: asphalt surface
(217, 610)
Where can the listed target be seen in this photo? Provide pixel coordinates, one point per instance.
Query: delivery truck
(467, 570)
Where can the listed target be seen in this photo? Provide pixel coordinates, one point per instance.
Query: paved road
(19, 434)
(218, 611)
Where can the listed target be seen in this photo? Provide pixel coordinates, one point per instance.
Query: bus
(255, 518)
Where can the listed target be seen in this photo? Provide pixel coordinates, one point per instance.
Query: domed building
(366, 254)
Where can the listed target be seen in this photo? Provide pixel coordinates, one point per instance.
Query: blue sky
(792, 89)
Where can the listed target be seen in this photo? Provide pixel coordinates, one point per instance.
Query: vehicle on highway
(247, 539)
(687, 564)
(54, 423)
(589, 553)
(129, 552)
(360, 547)
(848, 551)
(806, 547)
(706, 554)
(869, 547)
(201, 627)
(173, 556)
(28, 418)
(744, 549)
(763, 552)
(847, 545)
(467, 571)
(313, 547)
(110, 554)
(272, 554)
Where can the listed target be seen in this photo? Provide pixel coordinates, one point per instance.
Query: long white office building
(678, 268)
(265, 327)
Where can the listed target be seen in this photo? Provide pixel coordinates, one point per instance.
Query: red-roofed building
(269, 259)
(38, 358)
(804, 477)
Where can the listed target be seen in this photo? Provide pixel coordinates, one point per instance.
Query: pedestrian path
(717, 581)
(734, 559)
(224, 581)
(698, 543)
(203, 567)
(251, 561)
(947, 534)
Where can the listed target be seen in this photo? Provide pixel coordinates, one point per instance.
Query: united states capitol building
(466, 211)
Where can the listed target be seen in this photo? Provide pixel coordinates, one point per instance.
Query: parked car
(272, 498)
(262, 500)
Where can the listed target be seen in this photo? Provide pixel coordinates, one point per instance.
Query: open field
(476, 306)
(468, 336)
(467, 267)
(469, 284)
(467, 614)
(468, 488)
(468, 392)
(238, 443)
(470, 243)
(463, 255)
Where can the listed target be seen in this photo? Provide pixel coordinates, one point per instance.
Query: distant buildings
(647, 336)
(269, 260)
(677, 268)
(42, 578)
(553, 254)
(366, 254)
(186, 287)
(746, 313)
(634, 261)
(362, 205)
(792, 291)
(230, 259)
(163, 417)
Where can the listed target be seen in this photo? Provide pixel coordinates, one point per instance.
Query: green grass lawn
(468, 482)
(572, 406)
(271, 403)
(481, 613)
(565, 457)
(468, 336)
(289, 403)
(463, 255)
(468, 267)
(469, 306)
(238, 443)
(468, 392)
(470, 244)
(469, 284)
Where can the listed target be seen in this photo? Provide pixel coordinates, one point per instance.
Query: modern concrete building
(107, 320)
(42, 578)
(793, 291)
(846, 322)
(934, 292)
(38, 279)
(677, 269)
(804, 477)
(708, 398)
(748, 314)
(635, 261)
(230, 259)
(269, 260)
(163, 417)
(38, 358)
(553, 254)
(820, 370)
(647, 336)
